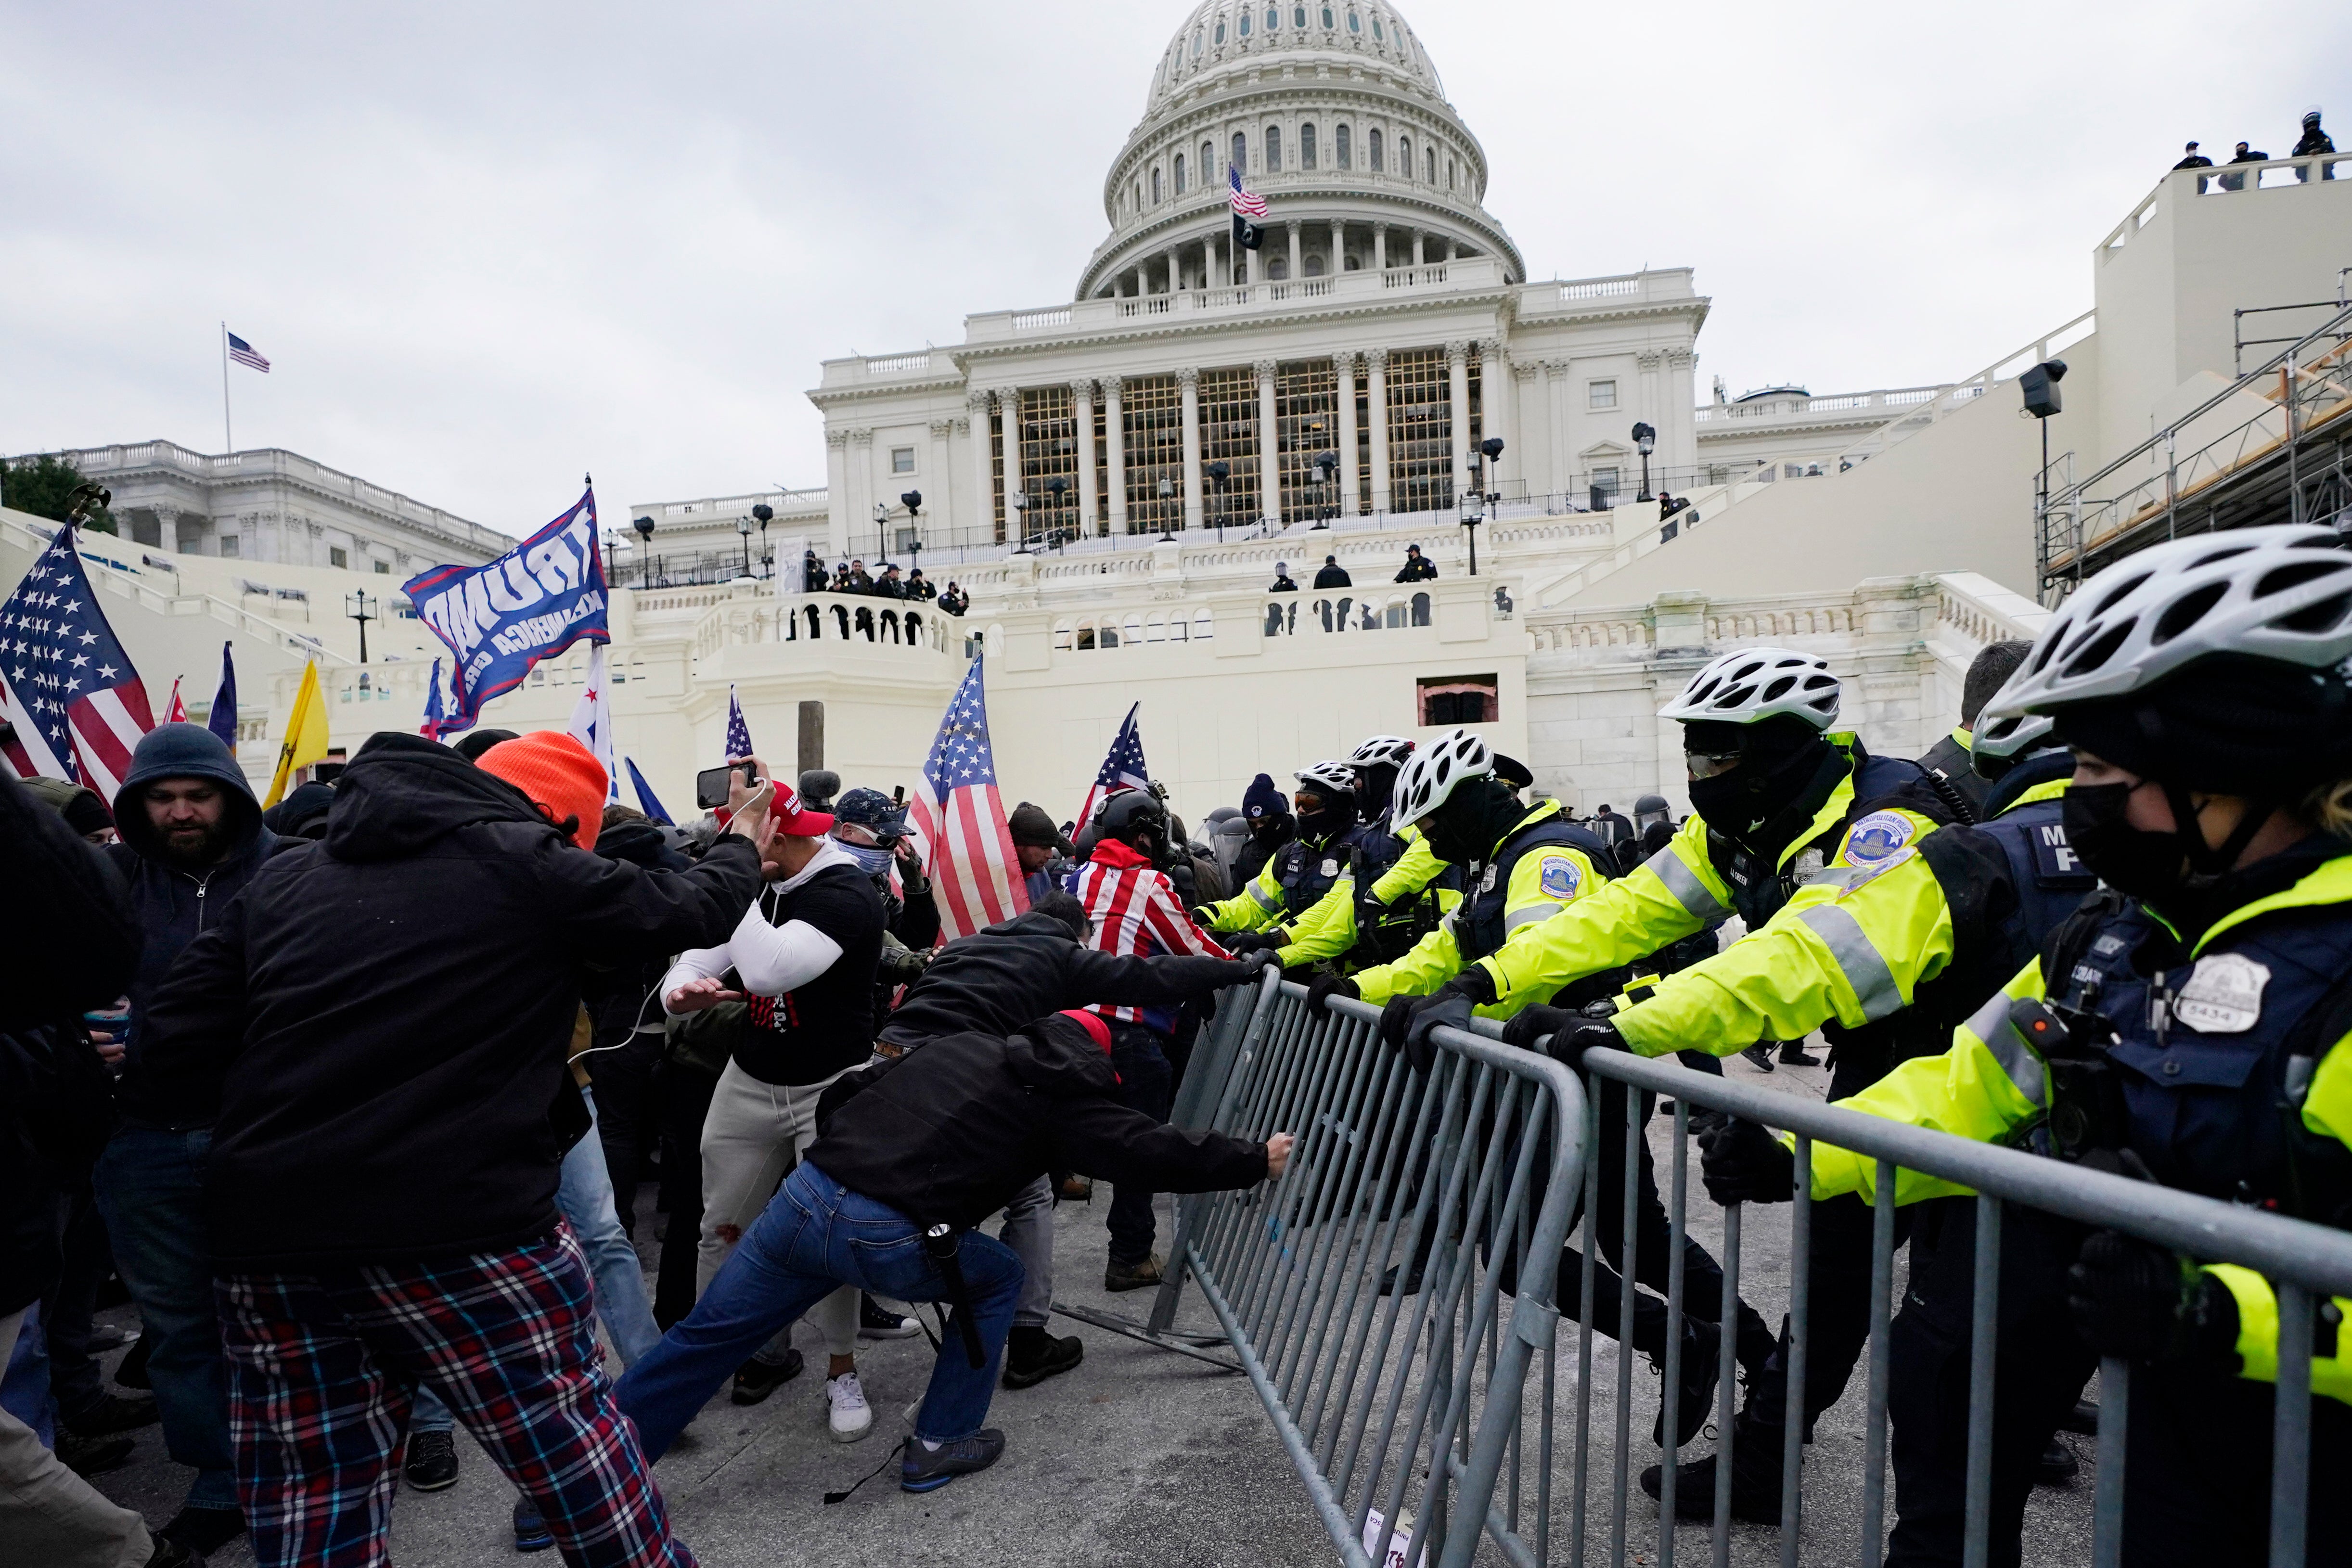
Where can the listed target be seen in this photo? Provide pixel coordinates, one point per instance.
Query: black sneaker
(1793, 1054)
(1032, 1355)
(757, 1379)
(2083, 1420)
(132, 1372)
(530, 1531)
(88, 1457)
(877, 1322)
(432, 1463)
(115, 1413)
(1702, 1361)
(1143, 1275)
(928, 1469)
(2058, 1464)
(1758, 1055)
(205, 1530)
(170, 1553)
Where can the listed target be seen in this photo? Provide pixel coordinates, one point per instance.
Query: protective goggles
(1708, 764)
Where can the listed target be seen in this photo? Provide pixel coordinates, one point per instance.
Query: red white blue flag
(1122, 769)
(975, 872)
(77, 706)
(1246, 203)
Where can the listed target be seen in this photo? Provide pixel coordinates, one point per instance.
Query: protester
(1418, 568)
(2192, 159)
(1333, 575)
(84, 812)
(1044, 853)
(627, 1022)
(940, 1136)
(803, 956)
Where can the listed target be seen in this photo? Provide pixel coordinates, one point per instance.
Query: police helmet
(1996, 745)
(1335, 778)
(1758, 683)
(1389, 751)
(1430, 779)
(1650, 809)
(1135, 818)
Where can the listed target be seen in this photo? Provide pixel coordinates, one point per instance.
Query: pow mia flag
(530, 603)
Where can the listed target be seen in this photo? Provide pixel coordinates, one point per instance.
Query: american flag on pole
(246, 354)
(974, 869)
(738, 733)
(591, 721)
(77, 705)
(1247, 204)
(1122, 769)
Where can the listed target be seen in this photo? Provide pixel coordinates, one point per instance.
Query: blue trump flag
(220, 719)
(530, 603)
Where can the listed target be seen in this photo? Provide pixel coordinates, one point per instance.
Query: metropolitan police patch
(1561, 877)
(1878, 836)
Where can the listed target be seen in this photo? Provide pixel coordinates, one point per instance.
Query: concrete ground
(1137, 1459)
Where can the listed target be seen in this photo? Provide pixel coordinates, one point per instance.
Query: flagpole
(228, 441)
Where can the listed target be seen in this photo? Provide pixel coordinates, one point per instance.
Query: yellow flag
(306, 733)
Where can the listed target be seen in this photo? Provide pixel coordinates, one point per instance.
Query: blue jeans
(24, 1383)
(1146, 1083)
(585, 1192)
(814, 1237)
(150, 1186)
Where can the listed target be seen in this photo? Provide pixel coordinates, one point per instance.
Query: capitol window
(1449, 173)
(1180, 173)
(1329, 21)
(1339, 148)
(1307, 145)
(1404, 156)
(1377, 34)
(1298, 17)
(1355, 21)
(1430, 155)
(902, 459)
(1241, 151)
(1245, 23)
(1273, 18)
(1373, 141)
(1155, 187)
(1196, 43)
(1208, 164)
(1600, 394)
(1272, 149)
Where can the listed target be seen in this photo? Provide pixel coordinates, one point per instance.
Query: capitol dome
(1334, 113)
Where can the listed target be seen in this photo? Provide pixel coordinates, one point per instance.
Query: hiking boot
(1793, 1054)
(115, 1413)
(88, 1457)
(1075, 1190)
(1032, 1355)
(756, 1379)
(927, 1469)
(170, 1553)
(530, 1531)
(1702, 1360)
(432, 1461)
(1755, 1478)
(2058, 1464)
(1758, 1055)
(1140, 1276)
(205, 1530)
(847, 1415)
(2083, 1420)
(877, 1322)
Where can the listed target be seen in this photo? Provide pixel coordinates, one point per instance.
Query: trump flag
(530, 603)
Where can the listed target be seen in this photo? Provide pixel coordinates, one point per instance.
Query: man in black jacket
(1418, 568)
(1333, 575)
(381, 1022)
(944, 1136)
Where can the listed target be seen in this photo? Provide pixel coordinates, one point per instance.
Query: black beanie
(86, 814)
(2231, 724)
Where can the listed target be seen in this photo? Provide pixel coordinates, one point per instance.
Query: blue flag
(645, 800)
(222, 718)
(530, 603)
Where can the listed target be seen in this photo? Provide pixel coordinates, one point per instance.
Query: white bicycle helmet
(1432, 775)
(1758, 683)
(1995, 742)
(2282, 593)
(1331, 778)
(1394, 751)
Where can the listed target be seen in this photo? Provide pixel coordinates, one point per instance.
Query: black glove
(1569, 1045)
(1250, 941)
(1406, 1022)
(1529, 1024)
(2139, 1301)
(1742, 1163)
(1327, 986)
(1201, 916)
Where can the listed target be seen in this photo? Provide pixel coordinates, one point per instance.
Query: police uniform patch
(1561, 877)
(1486, 883)
(1330, 867)
(1877, 837)
(1862, 877)
(2224, 995)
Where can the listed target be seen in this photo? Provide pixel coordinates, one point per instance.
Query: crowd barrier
(1407, 1415)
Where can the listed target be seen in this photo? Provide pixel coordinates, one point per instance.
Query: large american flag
(1248, 204)
(246, 354)
(77, 705)
(974, 870)
(1122, 769)
(738, 733)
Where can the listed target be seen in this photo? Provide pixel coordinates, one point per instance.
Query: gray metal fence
(1412, 1409)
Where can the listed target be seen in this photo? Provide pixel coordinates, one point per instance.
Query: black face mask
(2129, 859)
(1744, 800)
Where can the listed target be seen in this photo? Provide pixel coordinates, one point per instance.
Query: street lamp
(360, 608)
(1057, 487)
(1646, 439)
(743, 527)
(1167, 495)
(913, 501)
(1327, 467)
(1019, 501)
(1219, 472)
(765, 514)
(612, 544)
(645, 527)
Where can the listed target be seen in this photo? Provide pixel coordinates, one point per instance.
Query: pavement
(1138, 1459)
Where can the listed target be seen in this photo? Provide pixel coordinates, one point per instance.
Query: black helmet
(1137, 819)
(1650, 809)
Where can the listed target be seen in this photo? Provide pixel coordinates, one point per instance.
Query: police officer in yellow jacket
(2189, 1024)
(1296, 877)
(1392, 890)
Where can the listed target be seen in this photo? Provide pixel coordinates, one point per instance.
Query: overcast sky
(490, 246)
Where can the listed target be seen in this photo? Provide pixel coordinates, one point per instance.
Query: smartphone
(711, 784)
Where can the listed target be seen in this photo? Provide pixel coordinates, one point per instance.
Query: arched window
(1429, 161)
(1341, 149)
(1155, 187)
(1374, 141)
(1221, 32)
(1298, 17)
(1314, 264)
(1278, 269)
(1208, 164)
(1449, 173)
(1196, 43)
(1355, 21)
(1377, 34)
(1307, 145)
(1272, 149)
(1273, 18)
(1180, 173)
(1245, 23)
(1241, 151)
(1404, 156)
(1329, 21)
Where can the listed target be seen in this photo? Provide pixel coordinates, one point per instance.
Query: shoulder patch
(1865, 875)
(1561, 877)
(1879, 837)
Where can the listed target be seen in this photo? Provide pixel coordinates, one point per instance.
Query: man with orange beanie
(381, 1018)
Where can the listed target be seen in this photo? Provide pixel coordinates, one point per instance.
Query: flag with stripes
(246, 354)
(77, 706)
(974, 870)
(1246, 203)
(591, 721)
(433, 711)
(738, 733)
(1122, 769)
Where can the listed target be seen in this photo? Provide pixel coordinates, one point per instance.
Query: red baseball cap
(790, 817)
(1092, 1022)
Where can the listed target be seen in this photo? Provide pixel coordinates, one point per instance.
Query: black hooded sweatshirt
(383, 1015)
(950, 1133)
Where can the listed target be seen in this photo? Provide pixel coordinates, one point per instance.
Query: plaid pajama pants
(323, 1368)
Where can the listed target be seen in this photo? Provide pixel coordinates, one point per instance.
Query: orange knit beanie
(561, 777)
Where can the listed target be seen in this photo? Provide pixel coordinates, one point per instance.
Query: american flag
(77, 706)
(974, 869)
(246, 354)
(1122, 769)
(1246, 203)
(738, 733)
(175, 711)
(591, 721)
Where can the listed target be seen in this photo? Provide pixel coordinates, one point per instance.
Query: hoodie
(383, 1016)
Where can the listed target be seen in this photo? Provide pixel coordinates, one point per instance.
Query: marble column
(1295, 272)
(1417, 237)
(1380, 246)
(1351, 489)
(1494, 397)
(979, 511)
(1189, 380)
(1376, 393)
(1082, 393)
(1338, 262)
(1562, 461)
(1457, 386)
(938, 466)
(861, 479)
(1269, 441)
(836, 512)
(1175, 266)
(1115, 451)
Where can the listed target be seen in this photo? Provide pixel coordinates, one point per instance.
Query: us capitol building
(1114, 478)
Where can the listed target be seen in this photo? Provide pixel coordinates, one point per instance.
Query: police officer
(1393, 889)
(2183, 1024)
(1948, 760)
(1295, 877)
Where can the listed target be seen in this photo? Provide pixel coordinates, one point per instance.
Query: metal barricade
(1362, 1291)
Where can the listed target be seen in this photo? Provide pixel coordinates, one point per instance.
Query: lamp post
(1646, 439)
(913, 501)
(1219, 472)
(1167, 495)
(1327, 469)
(360, 608)
(765, 514)
(645, 527)
(1019, 501)
(612, 544)
(743, 527)
(2040, 386)
(1057, 487)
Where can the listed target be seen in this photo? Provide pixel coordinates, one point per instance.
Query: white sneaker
(848, 1416)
